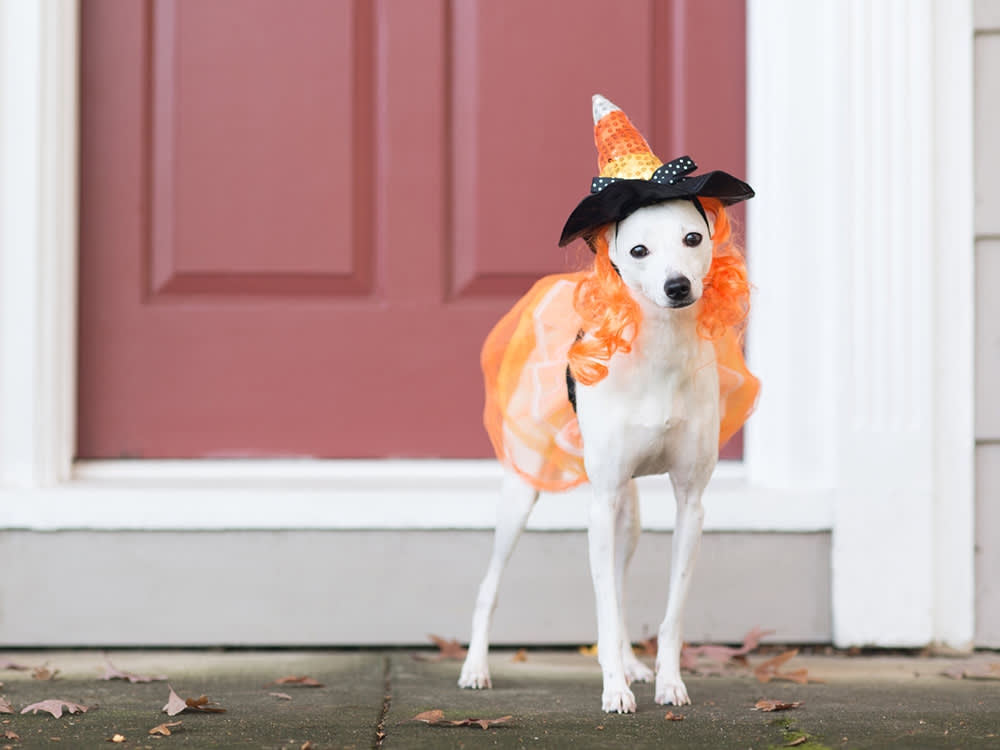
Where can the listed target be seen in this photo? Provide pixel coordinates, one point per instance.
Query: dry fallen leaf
(301, 681)
(176, 704)
(111, 672)
(588, 650)
(798, 741)
(521, 655)
(975, 672)
(447, 650)
(771, 670)
(5, 707)
(436, 718)
(116, 738)
(55, 707)
(164, 729)
(769, 705)
(44, 673)
(285, 696)
(307, 745)
(10, 734)
(671, 716)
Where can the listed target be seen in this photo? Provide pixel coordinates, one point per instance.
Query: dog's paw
(636, 671)
(476, 677)
(618, 700)
(671, 692)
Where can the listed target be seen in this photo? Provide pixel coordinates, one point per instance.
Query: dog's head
(663, 253)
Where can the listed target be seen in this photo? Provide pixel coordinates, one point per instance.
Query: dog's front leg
(604, 511)
(687, 538)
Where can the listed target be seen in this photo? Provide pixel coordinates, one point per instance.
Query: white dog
(655, 411)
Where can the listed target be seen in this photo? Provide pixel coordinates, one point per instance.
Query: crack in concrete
(386, 703)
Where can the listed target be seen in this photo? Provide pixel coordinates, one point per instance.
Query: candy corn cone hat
(632, 177)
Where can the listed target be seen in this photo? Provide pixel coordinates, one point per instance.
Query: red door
(299, 220)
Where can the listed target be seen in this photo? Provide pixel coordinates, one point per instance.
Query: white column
(862, 244)
(38, 198)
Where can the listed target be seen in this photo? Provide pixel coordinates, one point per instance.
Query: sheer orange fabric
(528, 415)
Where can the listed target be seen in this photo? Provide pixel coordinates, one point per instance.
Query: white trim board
(218, 495)
(860, 429)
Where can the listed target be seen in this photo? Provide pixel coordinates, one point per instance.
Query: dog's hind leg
(516, 501)
(627, 528)
(605, 510)
(687, 538)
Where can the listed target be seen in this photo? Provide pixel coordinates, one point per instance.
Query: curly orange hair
(611, 316)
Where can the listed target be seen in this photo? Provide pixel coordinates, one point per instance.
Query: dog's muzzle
(678, 290)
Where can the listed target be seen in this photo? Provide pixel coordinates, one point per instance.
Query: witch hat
(632, 177)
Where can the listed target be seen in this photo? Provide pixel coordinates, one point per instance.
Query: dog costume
(529, 413)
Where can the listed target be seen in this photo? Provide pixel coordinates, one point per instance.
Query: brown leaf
(285, 696)
(975, 672)
(671, 716)
(588, 650)
(44, 673)
(164, 729)
(5, 707)
(111, 672)
(307, 745)
(10, 734)
(436, 718)
(447, 650)
(752, 640)
(301, 681)
(176, 704)
(798, 741)
(116, 738)
(771, 670)
(769, 705)
(521, 655)
(55, 707)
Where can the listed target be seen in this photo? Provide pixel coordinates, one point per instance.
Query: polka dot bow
(668, 174)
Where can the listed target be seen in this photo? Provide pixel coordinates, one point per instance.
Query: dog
(647, 346)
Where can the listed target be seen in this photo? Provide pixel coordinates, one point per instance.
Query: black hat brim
(622, 198)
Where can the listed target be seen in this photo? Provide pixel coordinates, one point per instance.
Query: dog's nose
(678, 288)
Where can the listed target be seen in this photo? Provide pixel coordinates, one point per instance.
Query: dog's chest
(654, 399)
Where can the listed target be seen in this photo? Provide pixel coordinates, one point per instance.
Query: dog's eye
(639, 251)
(692, 239)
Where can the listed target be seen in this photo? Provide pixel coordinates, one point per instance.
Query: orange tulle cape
(528, 415)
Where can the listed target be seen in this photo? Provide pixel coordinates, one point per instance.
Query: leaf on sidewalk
(163, 730)
(671, 716)
(521, 655)
(44, 673)
(769, 705)
(5, 707)
(588, 650)
(111, 672)
(447, 650)
(771, 670)
(979, 671)
(55, 707)
(283, 696)
(649, 647)
(436, 718)
(176, 704)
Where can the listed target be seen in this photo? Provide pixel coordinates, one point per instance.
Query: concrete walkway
(368, 699)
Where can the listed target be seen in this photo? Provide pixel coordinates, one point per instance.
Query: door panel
(300, 220)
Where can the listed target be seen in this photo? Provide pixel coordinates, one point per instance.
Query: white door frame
(862, 326)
